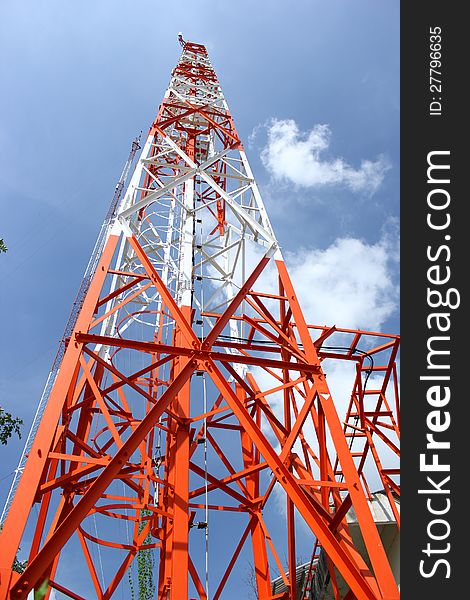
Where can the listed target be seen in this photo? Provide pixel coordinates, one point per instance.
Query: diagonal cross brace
(58, 539)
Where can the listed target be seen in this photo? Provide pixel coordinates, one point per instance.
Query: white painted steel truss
(194, 206)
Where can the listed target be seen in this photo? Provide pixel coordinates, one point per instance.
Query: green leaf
(42, 591)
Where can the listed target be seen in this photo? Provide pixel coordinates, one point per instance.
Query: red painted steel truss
(148, 446)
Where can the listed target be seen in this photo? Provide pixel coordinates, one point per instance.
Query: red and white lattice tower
(189, 396)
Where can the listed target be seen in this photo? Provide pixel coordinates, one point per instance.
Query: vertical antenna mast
(191, 388)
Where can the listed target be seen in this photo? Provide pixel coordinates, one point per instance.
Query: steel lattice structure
(191, 386)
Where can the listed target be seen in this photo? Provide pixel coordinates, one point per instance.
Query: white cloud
(351, 283)
(348, 284)
(297, 157)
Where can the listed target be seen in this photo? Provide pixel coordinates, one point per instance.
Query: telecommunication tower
(189, 396)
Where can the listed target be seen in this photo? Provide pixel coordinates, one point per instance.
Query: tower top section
(194, 184)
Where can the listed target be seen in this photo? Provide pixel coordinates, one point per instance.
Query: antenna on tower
(180, 39)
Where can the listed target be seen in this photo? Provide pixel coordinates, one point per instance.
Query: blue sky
(314, 91)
